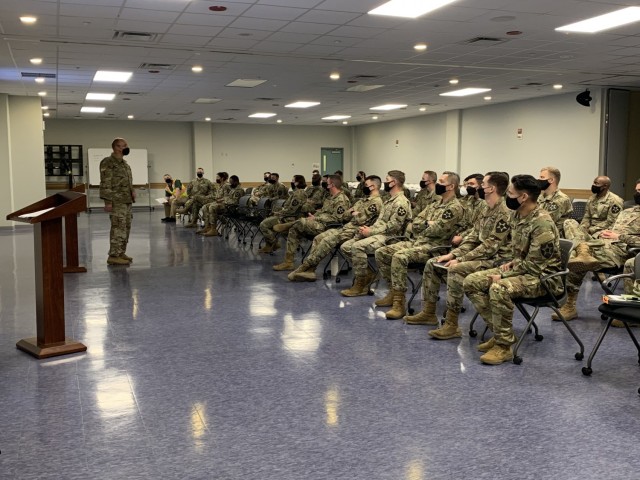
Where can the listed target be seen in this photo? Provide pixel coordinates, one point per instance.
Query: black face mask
(440, 189)
(200, 175)
(218, 180)
(324, 185)
(126, 151)
(366, 190)
(315, 183)
(481, 193)
(423, 184)
(512, 203)
(595, 189)
(359, 178)
(293, 185)
(272, 181)
(636, 197)
(471, 191)
(387, 186)
(266, 179)
(233, 185)
(169, 181)
(543, 184)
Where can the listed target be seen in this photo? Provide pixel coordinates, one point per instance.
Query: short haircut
(637, 181)
(336, 180)
(527, 184)
(433, 176)
(274, 174)
(605, 180)
(116, 140)
(199, 168)
(299, 179)
(478, 176)
(315, 179)
(339, 172)
(554, 172)
(375, 179)
(223, 175)
(267, 173)
(397, 175)
(498, 180)
(361, 172)
(453, 178)
(235, 178)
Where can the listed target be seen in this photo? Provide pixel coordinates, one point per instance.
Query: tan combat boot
(212, 232)
(619, 324)
(203, 230)
(282, 227)
(370, 277)
(191, 225)
(449, 329)
(385, 301)
(582, 261)
(399, 308)
(117, 261)
(358, 288)
(286, 265)
(268, 248)
(568, 310)
(127, 257)
(497, 355)
(304, 273)
(488, 345)
(426, 317)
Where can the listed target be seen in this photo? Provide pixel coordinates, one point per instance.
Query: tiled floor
(203, 363)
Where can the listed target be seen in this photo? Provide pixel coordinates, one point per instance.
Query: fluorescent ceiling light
(39, 79)
(334, 76)
(206, 100)
(409, 8)
(196, 69)
(262, 115)
(107, 76)
(363, 88)
(130, 117)
(42, 94)
(28, 19)
(420, 47)
(336, 117)
(389, 106)
(245, 83)
(92, 109)
(100, 96)
(46, 114)
(302, 104)
(36, 61)
(465, 92)
(604, 22)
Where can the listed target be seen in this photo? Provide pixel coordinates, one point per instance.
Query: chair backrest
(264, 204)
(565, 251)
(248, 190)
(244, 200)
(277, 205)
(579, 206)
(629, 204)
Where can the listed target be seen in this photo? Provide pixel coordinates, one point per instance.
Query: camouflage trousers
(326, 241)
(494, 301)
(177, 203)
(393, 261)
(357, 249)
(455, 275)
(303, 227)
(572, 231)
(210, 213)
(629, 285)
(198, 201)
(266, 227)
(608, 254)
(120, 217)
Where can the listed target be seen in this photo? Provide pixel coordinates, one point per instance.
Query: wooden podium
(46, 217)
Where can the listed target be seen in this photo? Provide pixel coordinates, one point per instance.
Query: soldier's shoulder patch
(547, 249)
(502, 226)
(615, 209)
(447, 215)
(373, 208)
(552, 207)
(295, 202)
(340, 210)
(402, 212)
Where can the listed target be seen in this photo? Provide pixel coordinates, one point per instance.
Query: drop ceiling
(292, 46)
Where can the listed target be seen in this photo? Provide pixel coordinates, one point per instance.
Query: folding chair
(627, 315)
(579, 207)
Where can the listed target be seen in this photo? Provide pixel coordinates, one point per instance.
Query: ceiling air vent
(134, 36)
(483, 41)
(38, 75)
(157, 66)
(230, 119)
(364, 77)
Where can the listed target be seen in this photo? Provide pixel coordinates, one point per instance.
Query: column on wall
(203, 148)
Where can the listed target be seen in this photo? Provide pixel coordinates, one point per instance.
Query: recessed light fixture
(604, 22)
(408, 8)
(29, 20)
(421, 47)
(389, 106)
(262, 115)
(100, 96)
(207, 119)
(334, 76)
(130, 117)
(196, 69)
(302, 104)
(39, 79)
(92, 109)
(45, 114)
(336, 117)
(557, 86)
(35, 61)
(423, 109)
(488, 97)
(454, 81)
(245, 83)
(109, 76)
(44, 107)
(345, 123)
(279, 120)
(465, 92)
(375, 117)
(42, 94)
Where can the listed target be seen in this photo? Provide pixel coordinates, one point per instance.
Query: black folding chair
(579, 207)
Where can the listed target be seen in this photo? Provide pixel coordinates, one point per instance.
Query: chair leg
(587, 370)
(579, 355)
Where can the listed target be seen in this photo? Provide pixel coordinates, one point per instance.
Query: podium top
(50, 208)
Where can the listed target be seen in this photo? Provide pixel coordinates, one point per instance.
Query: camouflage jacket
(395, 214)
(366, 211)
(315, 197)
(292, 207)
(601, 213)
(234, 195)
(447, 218)
(627, 226)
(116, 182)
(474, 208)
(335, 209)
(424, 198)
(200, 186)
(559, 207)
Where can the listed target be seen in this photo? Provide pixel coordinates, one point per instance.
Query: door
(330, 160)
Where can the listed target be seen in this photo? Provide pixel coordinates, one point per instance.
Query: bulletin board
(137, 160)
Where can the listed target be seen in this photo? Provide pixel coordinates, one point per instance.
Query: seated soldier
(345, 187)
(395, 214)
(609, 250)
(215, 206)
(315, 195)
(260, 190)
(472, 204)
(178, 200)
(364, 213)
(426, 196)
(291, 211)
(200, 192)
(535, 252)
(278, 190)
(234, 193)
(334, 210)
(434, 226)
(168, 194)
(552, 199)
(486, 246)
(360, 178)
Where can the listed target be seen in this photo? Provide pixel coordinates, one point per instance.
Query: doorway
(331, 160)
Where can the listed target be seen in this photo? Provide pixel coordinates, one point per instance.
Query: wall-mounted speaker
(584, 98)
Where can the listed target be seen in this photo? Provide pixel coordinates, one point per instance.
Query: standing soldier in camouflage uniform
(392, 221)
(216, 205)
(116, 189)
(609, 250)
(363, 213)
(433, 227)
(426, 196)
(200, 192)
(536, 252)
(291, 211)
(315, 195)
(334, 210)
(487, 245)
(552, 199)
(234, 192)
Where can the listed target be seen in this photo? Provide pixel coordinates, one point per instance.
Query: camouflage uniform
(334, 210)
(600, 214)
(359, 191)
(200, 192)
(393, 260)
(315, 197)
(559, 207)
(474, 208)
(424, 198)
(486, 246)
(260, 191)
(232, 197)
(366, 209)
(612, 253)
(216, 205)
(281, 191)
(393, 218)
(291, 211)
(536, 252)
(116, 187)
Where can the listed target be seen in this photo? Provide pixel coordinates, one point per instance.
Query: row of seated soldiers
(503, 236)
